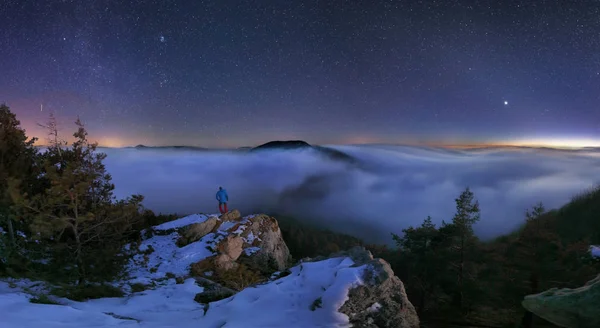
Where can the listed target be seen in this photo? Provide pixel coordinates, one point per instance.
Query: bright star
(162, 38)
(505, 103)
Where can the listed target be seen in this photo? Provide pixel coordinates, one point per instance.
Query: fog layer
(390, 188)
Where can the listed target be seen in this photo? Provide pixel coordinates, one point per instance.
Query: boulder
(381, 302)
(196, 231)
(262, 232)
(212, 291)
(570, 308)
(229, 250)
(231, 246)
(231, 216)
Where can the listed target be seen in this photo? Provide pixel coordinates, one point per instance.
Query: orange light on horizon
(558, 143)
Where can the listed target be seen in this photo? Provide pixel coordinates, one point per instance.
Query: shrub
(86, 292)
(238, 278)
(211, 296)
(316, 304)
(138, 287)
(42, 299)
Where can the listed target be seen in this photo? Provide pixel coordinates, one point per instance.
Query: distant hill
(288, 144)
(299, 144)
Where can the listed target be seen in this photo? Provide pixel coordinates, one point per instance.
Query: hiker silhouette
(222, 197)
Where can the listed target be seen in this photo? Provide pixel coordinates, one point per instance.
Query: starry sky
(239, 73)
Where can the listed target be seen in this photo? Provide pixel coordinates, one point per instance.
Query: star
(297, 73)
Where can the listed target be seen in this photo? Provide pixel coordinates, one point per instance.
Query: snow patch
(375, 307)
(226, 226)
(152, 308)
(184, 221)
(162, 256)
(250, 238)
(286, 302)
(239, 230)
(251, 250)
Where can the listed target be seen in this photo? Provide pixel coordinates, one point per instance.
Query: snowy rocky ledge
(227, 271)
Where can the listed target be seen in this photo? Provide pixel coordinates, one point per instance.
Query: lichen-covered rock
(231, 246)
(196, 231)
(570, 308)
(381, 302)
(255, 242)
(231, 216)
(263, 236)
(229, 250)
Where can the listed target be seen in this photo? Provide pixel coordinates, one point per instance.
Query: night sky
(239, 73)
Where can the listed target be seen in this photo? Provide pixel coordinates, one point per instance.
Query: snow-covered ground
(308, 297)
(162, 255)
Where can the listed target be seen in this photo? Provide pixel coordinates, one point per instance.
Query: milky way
(236, 73)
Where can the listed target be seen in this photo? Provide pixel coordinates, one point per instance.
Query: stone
(233, 216)
(212, 291)
(196, 231)
(381, 302)
(266, 235)
(231, 246)
(569, 308)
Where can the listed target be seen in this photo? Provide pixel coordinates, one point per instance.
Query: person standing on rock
(222, 197)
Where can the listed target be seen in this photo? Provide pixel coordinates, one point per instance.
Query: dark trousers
(223, 208)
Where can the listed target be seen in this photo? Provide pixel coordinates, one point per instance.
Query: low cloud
(391, 187)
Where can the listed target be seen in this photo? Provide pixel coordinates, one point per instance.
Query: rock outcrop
(228, 253)
(381, 301)
(570, 308)
(255, 242)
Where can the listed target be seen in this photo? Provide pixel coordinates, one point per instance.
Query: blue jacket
(222, 196)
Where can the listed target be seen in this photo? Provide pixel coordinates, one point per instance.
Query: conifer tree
(17, 164)
(462, 244)
(418, 246)
(78, 211)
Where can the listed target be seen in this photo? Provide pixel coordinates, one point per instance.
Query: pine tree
(17, 164)
(462, 245)
(78, 211)
(418, 249)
